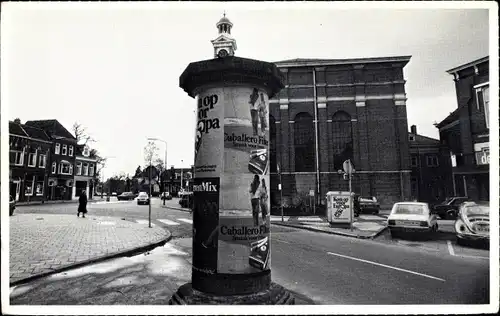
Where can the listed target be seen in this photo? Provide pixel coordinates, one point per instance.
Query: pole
(150, 193)
(281, 194)
(181, 174)
(350, 191)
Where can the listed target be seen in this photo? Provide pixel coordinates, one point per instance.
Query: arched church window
(342, 138)
(304, 142)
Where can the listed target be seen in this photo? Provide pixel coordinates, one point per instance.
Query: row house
(29, 154)
(85, 172)
(62, 159)
(174, 176)
(430, 168)
(465, 132)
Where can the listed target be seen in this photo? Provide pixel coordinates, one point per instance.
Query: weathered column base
(275, 295)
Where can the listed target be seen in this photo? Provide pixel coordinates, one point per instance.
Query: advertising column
(243, 245)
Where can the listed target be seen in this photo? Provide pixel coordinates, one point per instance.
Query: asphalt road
(326, 269)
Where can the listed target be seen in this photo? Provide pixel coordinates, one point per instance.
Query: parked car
(473, 222)
(12, 206)
(143, 198)
(114, 194)
(187, 200)
(448, 209)
(166, 196)
(409, 217)
(366, 204)
(126, 196)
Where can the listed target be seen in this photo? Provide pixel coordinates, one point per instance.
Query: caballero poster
(244, 216)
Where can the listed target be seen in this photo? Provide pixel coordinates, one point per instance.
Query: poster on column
(206, 183)
(244, 244)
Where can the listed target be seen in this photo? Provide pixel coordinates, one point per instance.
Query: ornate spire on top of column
(224, 44)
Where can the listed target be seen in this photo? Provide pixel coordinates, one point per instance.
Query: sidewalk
(97, 199)
(45, 244)
(365, 226)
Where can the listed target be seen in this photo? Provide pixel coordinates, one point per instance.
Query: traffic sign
(348, 167)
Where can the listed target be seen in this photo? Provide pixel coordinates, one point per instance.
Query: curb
(331, 233)
(125, 253)
(177, 208)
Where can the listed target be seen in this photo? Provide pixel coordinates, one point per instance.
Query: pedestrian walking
(82, 204)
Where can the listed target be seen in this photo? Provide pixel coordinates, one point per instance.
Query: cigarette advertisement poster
(209, 133)
(206, 184)
(244, 215)
(339, 207)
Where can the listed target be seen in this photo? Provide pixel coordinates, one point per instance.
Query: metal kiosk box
(339, 207)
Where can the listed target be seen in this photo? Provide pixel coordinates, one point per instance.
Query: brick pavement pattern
(40, 243)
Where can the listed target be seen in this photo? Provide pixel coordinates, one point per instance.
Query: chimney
(414, 129)
(17, 121)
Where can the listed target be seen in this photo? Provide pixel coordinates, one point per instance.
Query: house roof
(17, 129)
(453, 116)
(468, 65)
(297, 62)
(52, 127)
(421, 140)
(27, 131)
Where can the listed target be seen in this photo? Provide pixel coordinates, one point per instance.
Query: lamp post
(103, 179)
(182, 161)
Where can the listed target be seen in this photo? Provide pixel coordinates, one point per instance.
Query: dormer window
(64, 150)
(86, 151)
(412, 138)
(57, 150)
(70, 153)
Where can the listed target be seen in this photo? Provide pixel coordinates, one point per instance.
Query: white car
(473, 222)
(411, 217)
(143, 198)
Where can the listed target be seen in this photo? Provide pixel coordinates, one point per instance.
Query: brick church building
(333, 110)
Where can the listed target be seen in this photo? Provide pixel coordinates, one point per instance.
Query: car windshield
(366, 199)
(477, 210)
(143, 194)
(413, 209)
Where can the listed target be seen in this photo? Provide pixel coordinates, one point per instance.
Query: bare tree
(150, 153)
(82, 137)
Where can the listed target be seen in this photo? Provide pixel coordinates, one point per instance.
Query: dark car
(186, 200)
(126, 196)
(366, 204)
(448, 209)
(12, 206)
(166, 196)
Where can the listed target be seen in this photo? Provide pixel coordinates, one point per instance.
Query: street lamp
(182, 161)
(165, 161)
(102, 184)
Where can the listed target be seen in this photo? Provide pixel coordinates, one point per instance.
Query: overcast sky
(116, 71)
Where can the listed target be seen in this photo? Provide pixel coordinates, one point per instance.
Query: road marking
(168, 222)
(143, 221)
(286, 242)
(450, 248)
(467, 256)
(386, 266)
(186, 220)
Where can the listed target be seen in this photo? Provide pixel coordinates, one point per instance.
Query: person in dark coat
(82, 204)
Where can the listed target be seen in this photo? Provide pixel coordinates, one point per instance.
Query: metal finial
(224, 13)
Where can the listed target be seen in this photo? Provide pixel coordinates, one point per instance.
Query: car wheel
(375, 212)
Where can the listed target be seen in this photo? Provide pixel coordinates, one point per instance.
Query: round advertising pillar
(231, 188)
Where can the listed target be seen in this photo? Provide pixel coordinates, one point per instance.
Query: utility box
(339, 207)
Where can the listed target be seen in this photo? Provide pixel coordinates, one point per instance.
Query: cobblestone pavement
(41, 243)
